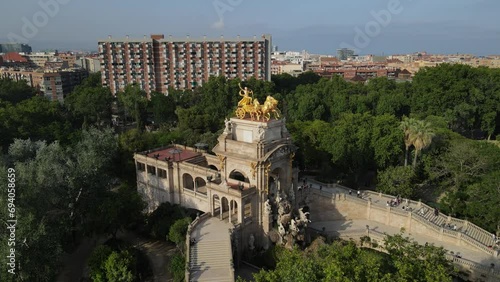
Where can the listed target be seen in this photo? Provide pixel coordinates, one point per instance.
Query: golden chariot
(256, 111)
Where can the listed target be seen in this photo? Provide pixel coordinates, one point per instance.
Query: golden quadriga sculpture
(252, 107)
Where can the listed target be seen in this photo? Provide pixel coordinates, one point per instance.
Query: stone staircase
(468, 231)
(210, 257)
(472, 231)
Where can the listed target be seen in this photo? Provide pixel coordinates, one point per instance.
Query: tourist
(359, 194)
(350, 192)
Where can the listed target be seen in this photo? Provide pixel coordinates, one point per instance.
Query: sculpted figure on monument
(267, 207)
(245, 93)
(281, 229)
(261, 132)
(251, 241)
(227, 123)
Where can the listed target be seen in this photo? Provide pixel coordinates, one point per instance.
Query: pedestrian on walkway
(359, 194)
(350, 192)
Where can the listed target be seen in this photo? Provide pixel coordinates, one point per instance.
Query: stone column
(220, 208)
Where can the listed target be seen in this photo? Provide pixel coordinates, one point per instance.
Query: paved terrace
(481, 248)
(210, 258)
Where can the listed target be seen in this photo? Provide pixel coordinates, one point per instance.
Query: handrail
(191, 226)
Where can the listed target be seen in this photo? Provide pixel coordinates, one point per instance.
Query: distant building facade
(89, 63)
(55, 85)
(156, 63)
(14, 47)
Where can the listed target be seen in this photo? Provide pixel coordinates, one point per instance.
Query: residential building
(39, 59)
(91, 64)
(14, 47)
(280, 67)
(158, 63)
(68, 57)
(55, 85)
(14, 59)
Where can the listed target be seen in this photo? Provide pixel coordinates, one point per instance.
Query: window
(152, 170)
(141, 166)
(162, 173)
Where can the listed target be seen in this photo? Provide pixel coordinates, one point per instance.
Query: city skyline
(389, 26)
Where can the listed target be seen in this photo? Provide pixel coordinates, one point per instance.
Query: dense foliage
(432, 138)
(404, 260)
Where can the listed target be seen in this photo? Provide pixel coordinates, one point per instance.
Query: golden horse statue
(252, 106)
(270, 106)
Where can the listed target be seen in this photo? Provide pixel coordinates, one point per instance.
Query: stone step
(211, 266)
(209, 259)
(210, 252)
(218, 279)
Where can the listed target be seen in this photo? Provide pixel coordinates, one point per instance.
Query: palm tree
(421, 135)
(406, 125)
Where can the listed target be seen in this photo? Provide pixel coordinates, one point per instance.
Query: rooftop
(175, 153)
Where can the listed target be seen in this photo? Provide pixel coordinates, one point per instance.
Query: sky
(379, 27)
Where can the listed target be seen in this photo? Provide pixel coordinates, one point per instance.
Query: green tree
(97, 259)
(483, 198)
(120, 267)
(407, 125)
(421, 137)
(291, 266)
(399, 180)
(135, 101)
(15, 91)
(163, 108)
(414, 262)
(178, 230)
(386, 140)
(161, 219)
(93, 104)
(178, 267)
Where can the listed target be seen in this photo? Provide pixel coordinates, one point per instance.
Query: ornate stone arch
(187, 181)
(239, 176)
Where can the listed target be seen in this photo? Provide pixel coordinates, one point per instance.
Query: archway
(201, 185)
(212, 167)
(224, 204)
(215, 205)
(187, 181)
(233, 211)
(239, 176)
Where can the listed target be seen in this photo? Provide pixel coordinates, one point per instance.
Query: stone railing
(464, 264)
(191, 226)
(467, 228)
(195, 194)
(231, 254)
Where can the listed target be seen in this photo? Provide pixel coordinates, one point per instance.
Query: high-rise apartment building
(158, 63)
